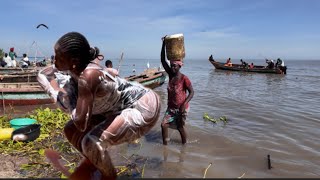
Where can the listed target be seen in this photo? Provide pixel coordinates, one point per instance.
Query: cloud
(214, 34)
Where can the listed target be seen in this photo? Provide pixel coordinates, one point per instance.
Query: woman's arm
(189, 97)
(46, 78)
(87, 85)
(163, 57)
(190, 90)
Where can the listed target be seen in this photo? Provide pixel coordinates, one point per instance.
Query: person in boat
(244, 64)
(228, 63)
(211, 58)
(25, 63)
(281, 66)
(251, 66)
(41, 63)
(270, 64)
(7, 60)
(109, 68)
(133, 69)
(13, 57)
(12, 54)
(3, 62)
(178, 99)
(105, 110)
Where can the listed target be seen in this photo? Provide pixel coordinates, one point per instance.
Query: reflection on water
(180, 154)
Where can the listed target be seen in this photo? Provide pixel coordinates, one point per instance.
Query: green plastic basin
(21, 122)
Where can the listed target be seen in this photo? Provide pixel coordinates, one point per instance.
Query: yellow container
(175, 47)
(5, 133)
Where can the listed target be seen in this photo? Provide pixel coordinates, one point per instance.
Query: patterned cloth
(172, 115)
(177, 92)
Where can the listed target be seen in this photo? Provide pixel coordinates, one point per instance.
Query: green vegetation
(1, 53)
(51, 136)
(215, 120)
(52, 122)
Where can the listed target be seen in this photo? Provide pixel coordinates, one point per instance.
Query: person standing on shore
(105, 110)
(178, 101)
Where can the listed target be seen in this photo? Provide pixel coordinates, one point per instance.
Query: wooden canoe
(239, 67)
(18, 77)
(6, 70)
(150, 78)
(23, 94)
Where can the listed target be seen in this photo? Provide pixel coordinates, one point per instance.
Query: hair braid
(75, 45)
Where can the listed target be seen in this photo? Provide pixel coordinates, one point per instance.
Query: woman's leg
(131, 124)
(85, 169)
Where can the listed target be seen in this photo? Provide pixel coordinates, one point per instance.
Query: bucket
(29, 133)
(175, 47)
(5, 133)
(21, 122)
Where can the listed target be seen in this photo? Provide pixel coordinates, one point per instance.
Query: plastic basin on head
(21, 122)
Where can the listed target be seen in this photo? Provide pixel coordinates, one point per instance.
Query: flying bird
(43, 26)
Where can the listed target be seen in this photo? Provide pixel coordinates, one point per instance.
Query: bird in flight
(43, 26)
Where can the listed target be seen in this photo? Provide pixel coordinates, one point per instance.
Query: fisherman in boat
(12, 54)
(133, 69)
(251, 66)
(228, 63)
(280, 65)
(211, 58)
(41, 63)
(7, 60)
(244, 64)
(25, 63)
(109, 68)
(270, 64)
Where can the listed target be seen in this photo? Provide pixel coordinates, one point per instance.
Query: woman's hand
(164, 37)
(182, 108)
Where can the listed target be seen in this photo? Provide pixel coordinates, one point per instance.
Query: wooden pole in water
(120, 63)
(269, 162)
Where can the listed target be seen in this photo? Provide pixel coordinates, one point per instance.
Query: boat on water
(6, 70)
(18, 74)
(18, 77)
(150, 78)
(239, 67)
(23, 93)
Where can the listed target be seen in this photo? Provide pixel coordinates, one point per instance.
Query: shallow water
(270, 114)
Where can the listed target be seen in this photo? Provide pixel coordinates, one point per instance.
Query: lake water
(268, 114)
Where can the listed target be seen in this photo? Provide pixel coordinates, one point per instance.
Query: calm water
(270, 114)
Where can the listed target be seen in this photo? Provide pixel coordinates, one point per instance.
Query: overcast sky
(254, 29)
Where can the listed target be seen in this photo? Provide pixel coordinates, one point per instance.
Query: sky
(247, 29)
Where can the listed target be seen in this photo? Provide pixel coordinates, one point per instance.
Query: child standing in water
(178, 100)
